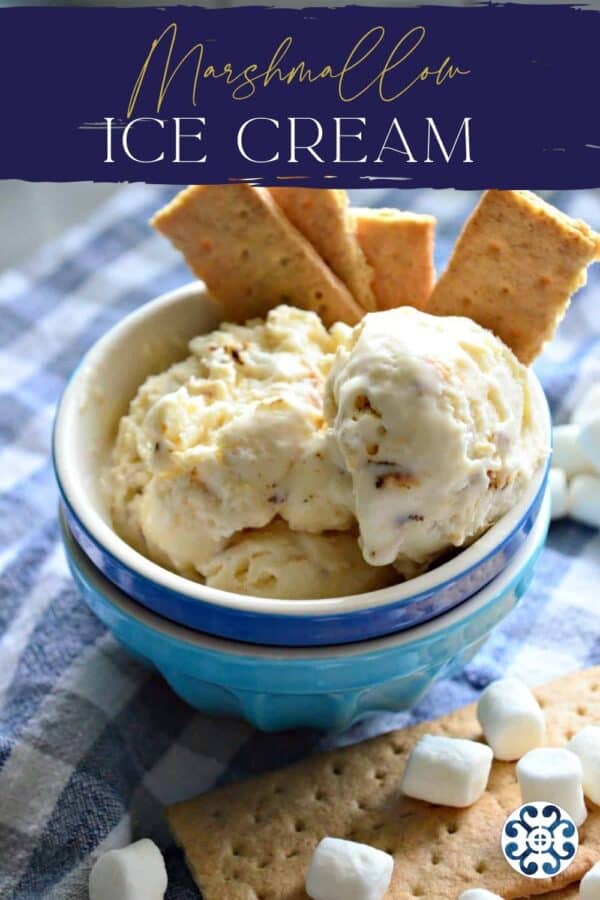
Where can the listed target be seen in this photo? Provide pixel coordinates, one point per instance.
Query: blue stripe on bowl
(305, 631)
(328, 687)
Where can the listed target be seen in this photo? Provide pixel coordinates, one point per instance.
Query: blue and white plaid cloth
(92, 745)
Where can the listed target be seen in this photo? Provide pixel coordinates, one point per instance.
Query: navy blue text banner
(491, 96)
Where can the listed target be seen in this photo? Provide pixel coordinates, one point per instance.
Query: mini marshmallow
(511, 719)
(553, 775)
(478, 894)
(447, 771)
(584, 499)
(347, 869)
(586, 745)
(589, 441)
(566, 452)
(588, 407)
(589, 887)
(559, 493)
(136, 872)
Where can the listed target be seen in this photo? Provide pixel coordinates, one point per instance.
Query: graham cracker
(399, 248)
(514, 269)
(236, 238)
(321, 215)
(254, 839)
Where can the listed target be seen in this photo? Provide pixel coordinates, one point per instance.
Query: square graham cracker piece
(514, 268)
(322, 216)
(236, 239)
(253, 840)
(399, 248)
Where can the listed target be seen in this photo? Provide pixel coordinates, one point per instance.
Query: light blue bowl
(96, 397)
(276, 688)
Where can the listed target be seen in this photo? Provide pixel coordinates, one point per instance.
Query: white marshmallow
(136, 872)
(553, 775)
(559, 493)
(448, 771)
(478, 894)
(589, 887)
(589, 441)
(346, 869)
(586, 745)
(566, 452)
(588, 406)
(511, 719)
(584, 499)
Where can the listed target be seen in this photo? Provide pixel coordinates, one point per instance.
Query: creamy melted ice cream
(435, 421)
(254, 463)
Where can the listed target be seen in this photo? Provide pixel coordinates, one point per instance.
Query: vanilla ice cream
(277, 562)
(229, 439)
(256, 462)
(435, 421)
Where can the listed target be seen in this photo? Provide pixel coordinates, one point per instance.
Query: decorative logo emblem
(539, 840)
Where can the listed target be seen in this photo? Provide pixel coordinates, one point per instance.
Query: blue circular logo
(539, 840)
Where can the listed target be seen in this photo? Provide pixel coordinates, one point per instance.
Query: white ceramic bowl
(99, 393)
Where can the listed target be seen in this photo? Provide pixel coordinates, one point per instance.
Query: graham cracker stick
(399, 248)
(514, 269)
(321, 215)
(255, 838)
(239, 242)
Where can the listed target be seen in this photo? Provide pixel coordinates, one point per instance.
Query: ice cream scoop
(230, 438)
(435, 421)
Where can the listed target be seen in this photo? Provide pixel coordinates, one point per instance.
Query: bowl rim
(413, 638)
(125, 556)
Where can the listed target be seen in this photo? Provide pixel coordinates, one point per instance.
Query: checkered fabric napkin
(92, 745)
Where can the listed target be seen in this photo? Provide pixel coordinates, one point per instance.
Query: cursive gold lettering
(355, 69)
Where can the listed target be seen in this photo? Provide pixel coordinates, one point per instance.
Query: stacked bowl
(277, 663)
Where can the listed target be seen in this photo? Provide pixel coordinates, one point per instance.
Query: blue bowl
(96, 397)
(325, 687)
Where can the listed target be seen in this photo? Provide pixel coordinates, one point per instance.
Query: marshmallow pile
(350, 870)
(554, 775)
(448, 771)
(440, 770)
(589, 889)
(136, 872)
(575, 474)
(455, 772)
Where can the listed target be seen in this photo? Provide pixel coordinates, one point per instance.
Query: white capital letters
(432, 128)
(125, 139)
(339, 134)
(294, 146)
(404, 150)
(109, 157)
(240, 139)
(198, 135)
